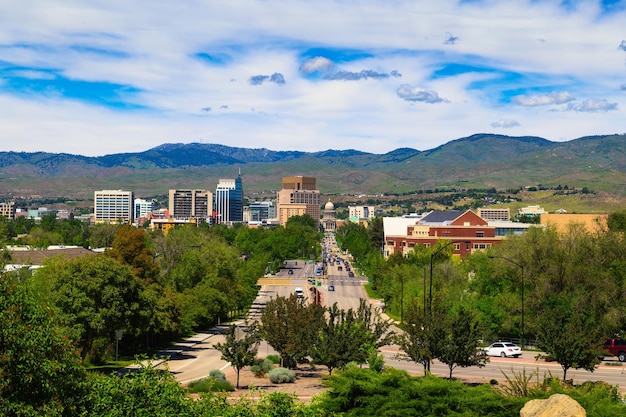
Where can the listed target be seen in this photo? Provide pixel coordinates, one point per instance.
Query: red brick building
(467, 230)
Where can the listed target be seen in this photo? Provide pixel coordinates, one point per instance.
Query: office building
(360, 214)
(143, 208)
(229, 201)
(113, 206)
(297, 197)
(190, 204)
(8, 210)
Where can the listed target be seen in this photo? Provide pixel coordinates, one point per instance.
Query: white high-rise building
(113, 206)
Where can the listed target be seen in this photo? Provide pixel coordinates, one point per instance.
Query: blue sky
(112, 76)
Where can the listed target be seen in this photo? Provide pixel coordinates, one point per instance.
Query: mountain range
(477, 161)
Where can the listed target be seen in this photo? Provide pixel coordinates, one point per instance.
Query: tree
(241, 346)
(416, 339)
(459, 344)
(349, 336)
(130, 247)
(39, 373)
(617, 221)
(97, 296)
(291, 327)
(569, 334)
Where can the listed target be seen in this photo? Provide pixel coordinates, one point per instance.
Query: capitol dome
(329, 206)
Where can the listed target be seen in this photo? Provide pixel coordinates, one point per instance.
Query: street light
(521, 267)
(430, 292)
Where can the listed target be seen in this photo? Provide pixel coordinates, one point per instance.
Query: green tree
(416, 339)
(241, 346)
(39, 373)
(349, 336)
(291, 327)
(130, 247)
(459, 344)
(97, 296)
(617, 221)
(569, 334)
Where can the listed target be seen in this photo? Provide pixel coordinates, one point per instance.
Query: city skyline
(111, 77)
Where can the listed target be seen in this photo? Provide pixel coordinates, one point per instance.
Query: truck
(616, 347)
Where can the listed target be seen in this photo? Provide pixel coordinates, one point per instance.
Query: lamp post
(521, 267)
(430, 292)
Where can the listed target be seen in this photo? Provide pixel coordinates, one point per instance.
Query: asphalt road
(195, 357)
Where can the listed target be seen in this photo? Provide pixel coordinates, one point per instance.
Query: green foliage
(282, 376)
(617, 221)
(291, 327)
(457, 343)
(240, 347)
(97, 296)
(39, 373)
(217, 374)
(362, 392)
(210, 384)
(262, 367)
(349, 336)
(147, 392)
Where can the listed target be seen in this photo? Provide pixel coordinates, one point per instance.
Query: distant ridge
(477, 161)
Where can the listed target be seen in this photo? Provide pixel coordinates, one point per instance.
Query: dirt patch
(308, 383)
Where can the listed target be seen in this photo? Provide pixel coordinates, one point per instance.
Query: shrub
(282, 375)
(217, 375)
(210, 385)
(260, 368)
(274, 358)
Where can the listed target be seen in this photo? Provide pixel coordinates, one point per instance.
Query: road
(195, 358)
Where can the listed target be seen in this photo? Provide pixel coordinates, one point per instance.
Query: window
(480, 234)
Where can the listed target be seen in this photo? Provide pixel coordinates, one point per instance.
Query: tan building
(502, 214)
(297, 197)
(8, 210)
(592, 222)
(190, 204)
(360, 214)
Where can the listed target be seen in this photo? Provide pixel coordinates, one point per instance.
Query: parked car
(290, 272)
(504, 349)
(616, 347)
(351, 274)
(331, 288)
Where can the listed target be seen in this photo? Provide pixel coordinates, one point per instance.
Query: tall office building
(113, 206)
(142, 208)
(259, 211)
(229, 201)
(8, 210)
(297, 197)
(190, 204)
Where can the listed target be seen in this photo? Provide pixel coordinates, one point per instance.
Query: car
(299, 292)
(504, 349)
(616, 347)
(351, 274)
(331, 288)
(339, 268)
(290, 272)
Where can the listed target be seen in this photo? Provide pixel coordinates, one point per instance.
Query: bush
(282, 375)
(274, 358)
(260, 368)
(217, 375)
(210, 385)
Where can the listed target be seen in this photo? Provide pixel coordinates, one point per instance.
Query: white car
(504, 349)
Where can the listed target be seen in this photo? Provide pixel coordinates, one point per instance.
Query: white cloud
(164, 85)
(592, 106)
(505, 123)
(543, 99)
(318, 63)
(411, 93)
